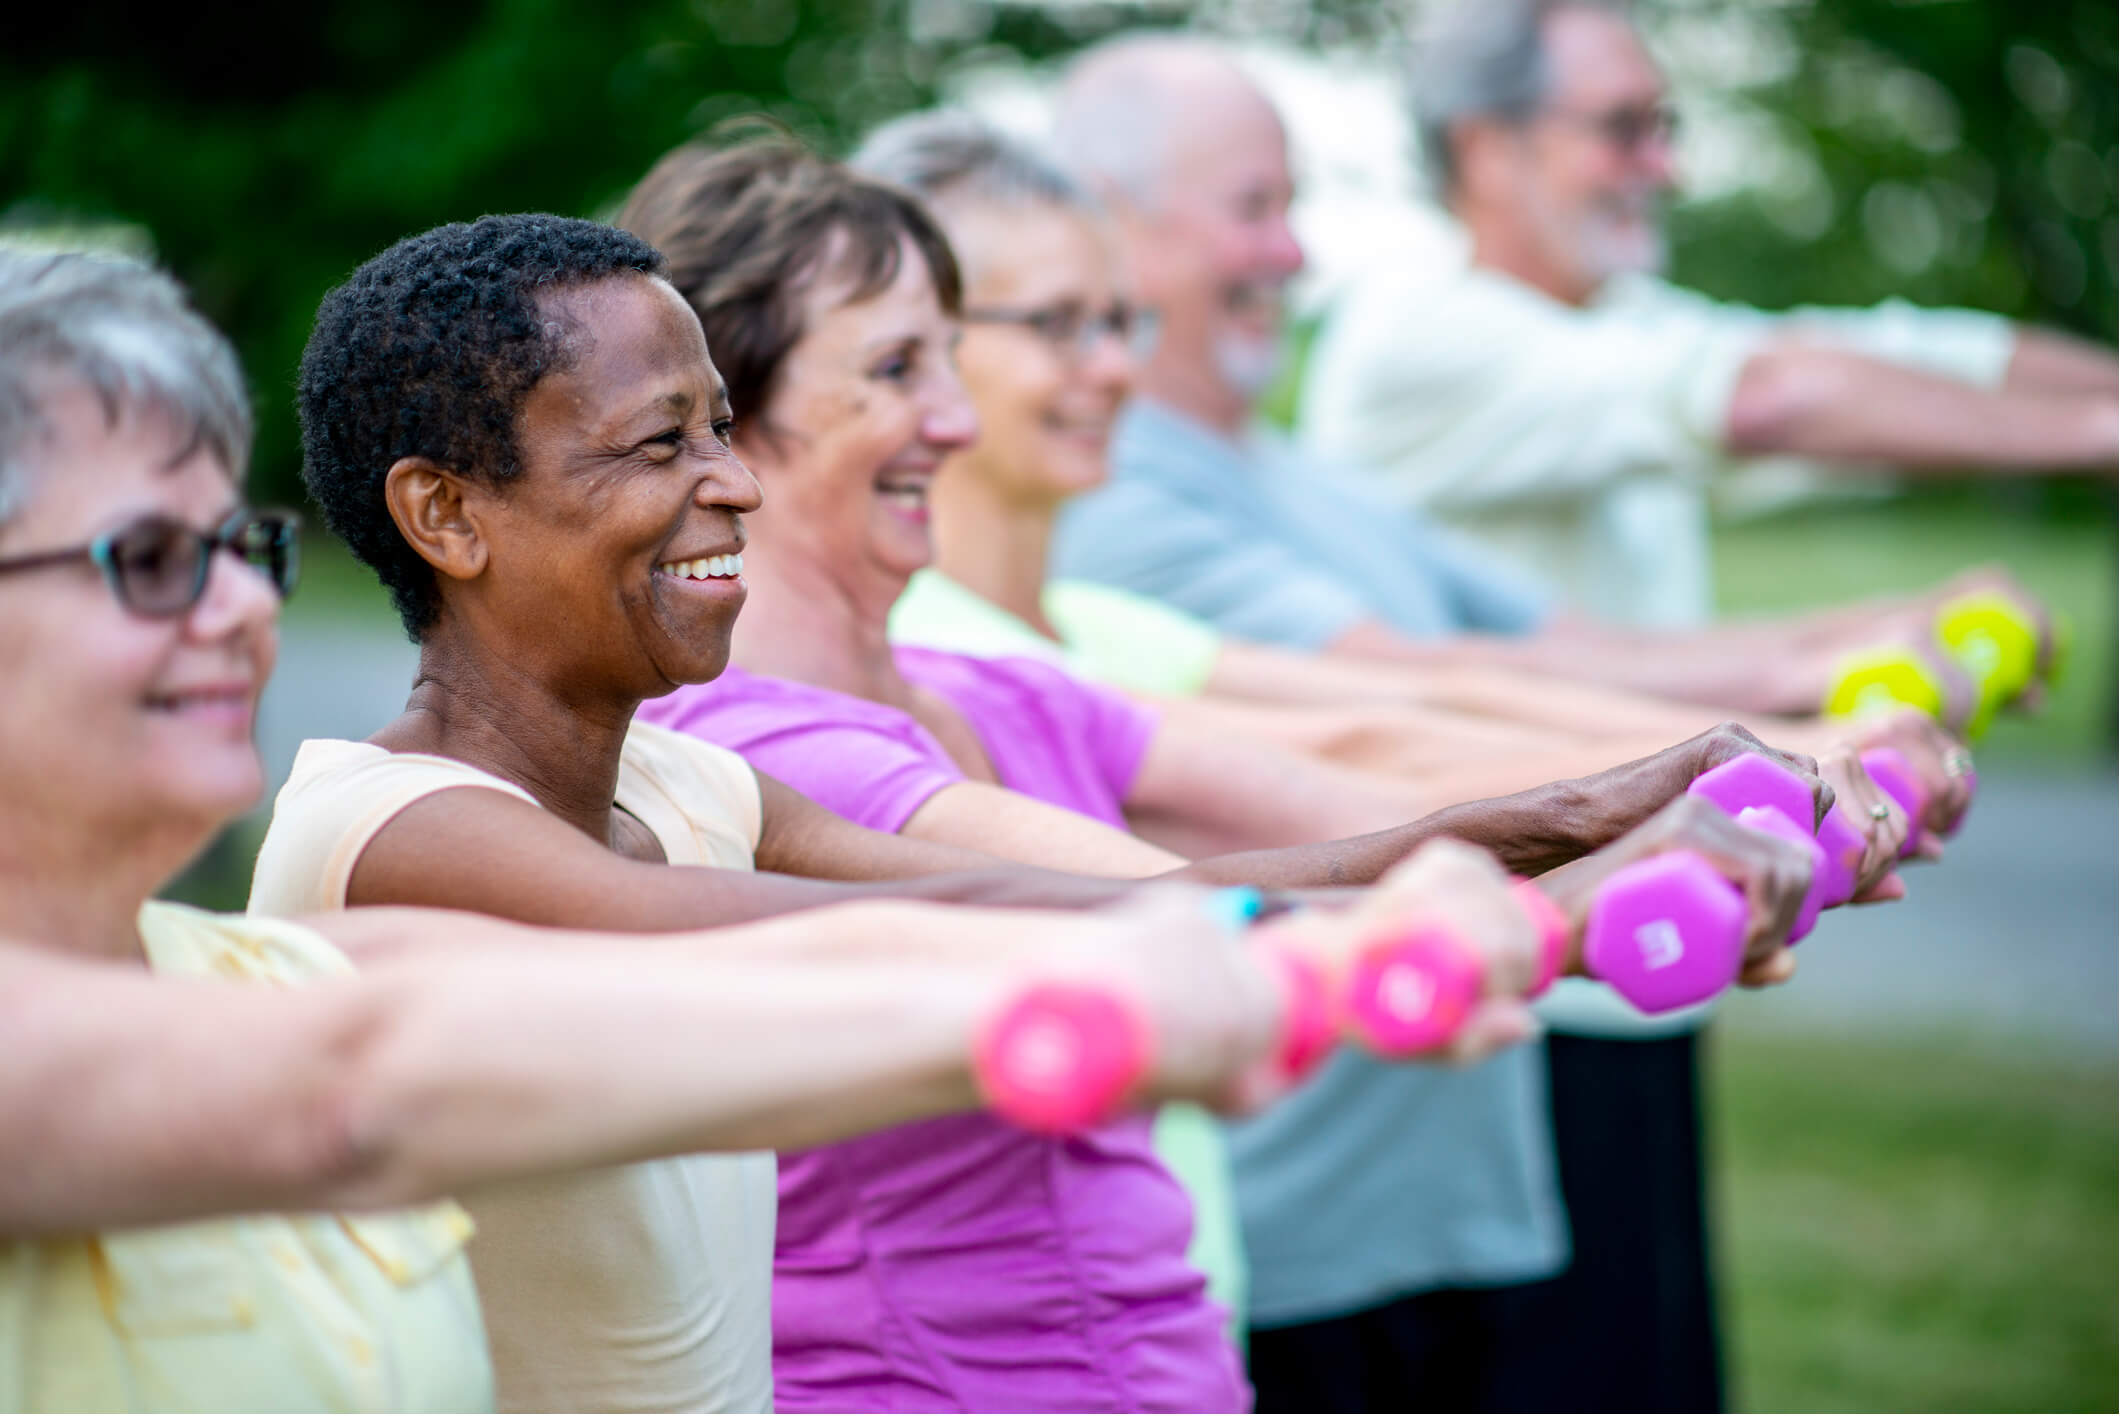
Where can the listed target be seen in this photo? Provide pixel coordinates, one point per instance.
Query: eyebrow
(677, 402)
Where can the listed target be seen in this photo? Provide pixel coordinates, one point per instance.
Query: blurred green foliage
(1959, 151)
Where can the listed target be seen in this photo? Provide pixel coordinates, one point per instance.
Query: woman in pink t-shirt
(956, 1266)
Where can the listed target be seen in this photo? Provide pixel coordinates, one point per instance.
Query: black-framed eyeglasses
(1073, 329)
(158, 567)
(1627, 129)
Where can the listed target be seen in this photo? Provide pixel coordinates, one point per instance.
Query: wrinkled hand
(1627, 795)
(1772, 873)
(1883, 832)
(1927, 746)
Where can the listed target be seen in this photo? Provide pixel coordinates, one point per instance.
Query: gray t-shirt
(1374, 1181)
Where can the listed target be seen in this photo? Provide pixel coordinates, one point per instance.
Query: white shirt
(1581, 445)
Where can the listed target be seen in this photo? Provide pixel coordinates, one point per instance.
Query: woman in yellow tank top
(204, 1203)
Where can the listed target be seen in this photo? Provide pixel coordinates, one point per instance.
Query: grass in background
(1917, 1226)
(1828, 554)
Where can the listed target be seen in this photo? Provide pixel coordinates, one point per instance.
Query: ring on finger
(1957, 762)
(1879, 811)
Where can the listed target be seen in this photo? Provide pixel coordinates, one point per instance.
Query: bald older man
(1550, 396)
(1404, 1230)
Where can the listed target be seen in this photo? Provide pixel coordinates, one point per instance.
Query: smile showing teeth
(906, 497)
(712, 567)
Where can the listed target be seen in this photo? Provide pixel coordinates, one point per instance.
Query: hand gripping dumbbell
(1755, 791)
(1895, 777)
(1664, 933)
(1062, 1056)
(1995, 642)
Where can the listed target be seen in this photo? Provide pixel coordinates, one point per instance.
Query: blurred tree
(269, 154)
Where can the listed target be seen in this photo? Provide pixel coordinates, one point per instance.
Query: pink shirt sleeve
(868, 763)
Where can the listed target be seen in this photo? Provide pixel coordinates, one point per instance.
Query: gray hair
(1483, 59)
(947, 155)
(1120, 103)
(125, 331)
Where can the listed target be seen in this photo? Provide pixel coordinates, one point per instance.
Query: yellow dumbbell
(1894, 675)
(1994, 641)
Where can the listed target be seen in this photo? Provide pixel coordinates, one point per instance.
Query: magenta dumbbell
(1665, 933)
(1756, 792)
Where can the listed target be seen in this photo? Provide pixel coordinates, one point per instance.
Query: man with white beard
(1553, 398)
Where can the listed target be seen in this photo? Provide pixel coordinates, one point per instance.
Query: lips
(905, 489)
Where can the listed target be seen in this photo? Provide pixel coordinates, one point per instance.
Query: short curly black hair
(429, 350)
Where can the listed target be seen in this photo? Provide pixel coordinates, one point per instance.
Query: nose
(1110, 362)
(1657, 158)
(728, 485)
(1283, 249)
(948, 419)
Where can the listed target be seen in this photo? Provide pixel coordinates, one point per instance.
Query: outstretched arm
(469, 1050)
(1810, 400)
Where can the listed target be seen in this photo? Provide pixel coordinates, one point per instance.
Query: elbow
(1777, 393)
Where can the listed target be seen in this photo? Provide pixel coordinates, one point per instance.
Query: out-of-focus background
(1920, 1139)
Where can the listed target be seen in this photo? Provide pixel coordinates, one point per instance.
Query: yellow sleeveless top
(276, 1314)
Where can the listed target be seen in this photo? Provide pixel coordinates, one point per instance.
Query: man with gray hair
(1554, 399)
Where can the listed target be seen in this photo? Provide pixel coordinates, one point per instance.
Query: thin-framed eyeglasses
(1628, 129)
(158, 567)
(1073, 330)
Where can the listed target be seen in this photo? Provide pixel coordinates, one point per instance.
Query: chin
(1072, 473)
(216, 794)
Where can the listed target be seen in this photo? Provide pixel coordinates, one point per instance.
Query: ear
(435, 512)
(1478, 145)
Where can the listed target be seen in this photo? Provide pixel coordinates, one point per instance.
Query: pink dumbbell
(1063, 1056)
(1410, 993)
(1756, 792)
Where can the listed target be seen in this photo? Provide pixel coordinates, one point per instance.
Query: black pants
(1628, 1327)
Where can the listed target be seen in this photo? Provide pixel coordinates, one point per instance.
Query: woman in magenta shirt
(891, 1248)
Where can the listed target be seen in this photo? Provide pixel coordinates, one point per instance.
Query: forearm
(1697, 668)
(1840, 407)
(1530, 831)
(1531, 682)
(2045, 361)
(441, 1071)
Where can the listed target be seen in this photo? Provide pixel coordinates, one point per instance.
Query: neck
(80, 892)
(807, 624)
(1192, 387)
(1504, 247)
(996, 547)
(478, 706)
